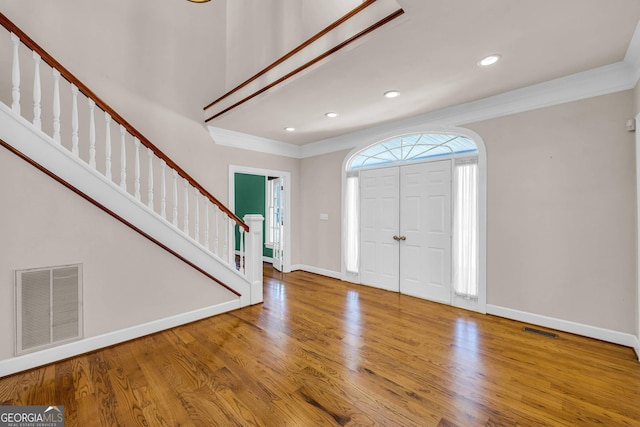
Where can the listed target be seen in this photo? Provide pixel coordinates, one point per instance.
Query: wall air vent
(48, 307)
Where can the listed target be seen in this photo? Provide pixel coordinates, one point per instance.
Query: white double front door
(405, 229)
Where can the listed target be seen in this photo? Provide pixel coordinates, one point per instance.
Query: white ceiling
(431, 56)
(178, 55)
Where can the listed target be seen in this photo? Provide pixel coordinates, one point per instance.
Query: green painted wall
(250, 198)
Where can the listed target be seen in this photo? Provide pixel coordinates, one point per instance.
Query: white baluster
(37, 92)
(56, 105)
(137, 170)
(74, 120)
(92, 133)
(216, 234)
(242, 236)
(123, 159)
(175, 198)
(15, 75)
(225, 244)
(107, 145)
(163, 189)
(150, 178)
(186, 206)
(207, 205)
(196, 230)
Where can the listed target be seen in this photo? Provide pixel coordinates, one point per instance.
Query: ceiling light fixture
(391, 94)
(199, 1)
(290, 129)
(331, 114)
(489, 60)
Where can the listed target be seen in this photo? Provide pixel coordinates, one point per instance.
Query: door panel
(425, 221)
(380, 222)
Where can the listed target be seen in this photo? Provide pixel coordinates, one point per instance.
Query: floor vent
(540, 332)
(48, 307)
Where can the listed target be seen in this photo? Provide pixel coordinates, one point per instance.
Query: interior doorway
(265, 192)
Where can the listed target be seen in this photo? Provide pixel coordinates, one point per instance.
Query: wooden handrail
(279, 61)
(306, 65)
(113, 214)
(31, 44)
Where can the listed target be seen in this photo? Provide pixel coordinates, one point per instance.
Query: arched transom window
(410, 148)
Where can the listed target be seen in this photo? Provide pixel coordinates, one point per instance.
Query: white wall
(321, 181)
(561, 212)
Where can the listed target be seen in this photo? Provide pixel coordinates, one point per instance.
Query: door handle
(396, 238)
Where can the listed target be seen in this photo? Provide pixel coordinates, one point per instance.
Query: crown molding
(245, 141)
(599, 81)
(633, 53)
(616, 77)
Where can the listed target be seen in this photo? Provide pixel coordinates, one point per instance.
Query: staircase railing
(113, 147)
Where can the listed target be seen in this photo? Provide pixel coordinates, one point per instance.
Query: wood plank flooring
(320, 352)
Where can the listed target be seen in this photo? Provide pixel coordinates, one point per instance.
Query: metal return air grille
(48, 307)
(540, 332)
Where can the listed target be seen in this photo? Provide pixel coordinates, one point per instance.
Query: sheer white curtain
(352, 201)
(465, 228)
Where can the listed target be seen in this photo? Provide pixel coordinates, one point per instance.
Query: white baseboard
(317, 270)
(44, 357)
(628, 340)
(636, 347)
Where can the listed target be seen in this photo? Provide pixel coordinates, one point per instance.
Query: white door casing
(278, 232)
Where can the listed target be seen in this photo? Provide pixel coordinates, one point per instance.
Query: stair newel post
(136, 170)
(123, 158)
(150, 178)
(15, 74)
(56, 105)
(253, 258)
(163, 189)
(185, 224)
(196, 229)
(107, 146)
(74, 120)
(207, 206)
(92, 133)
(37, 92)
(175, 198)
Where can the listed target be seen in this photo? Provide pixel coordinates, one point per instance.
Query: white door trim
(233, 169)
(637, 343)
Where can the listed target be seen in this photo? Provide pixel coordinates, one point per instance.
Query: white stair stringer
(40, 148)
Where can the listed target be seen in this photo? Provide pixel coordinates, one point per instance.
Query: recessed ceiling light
(331, 114)
(290, 129)
(489, 60)
(391, 94)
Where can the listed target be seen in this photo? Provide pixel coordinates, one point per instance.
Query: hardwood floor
(323, 352)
